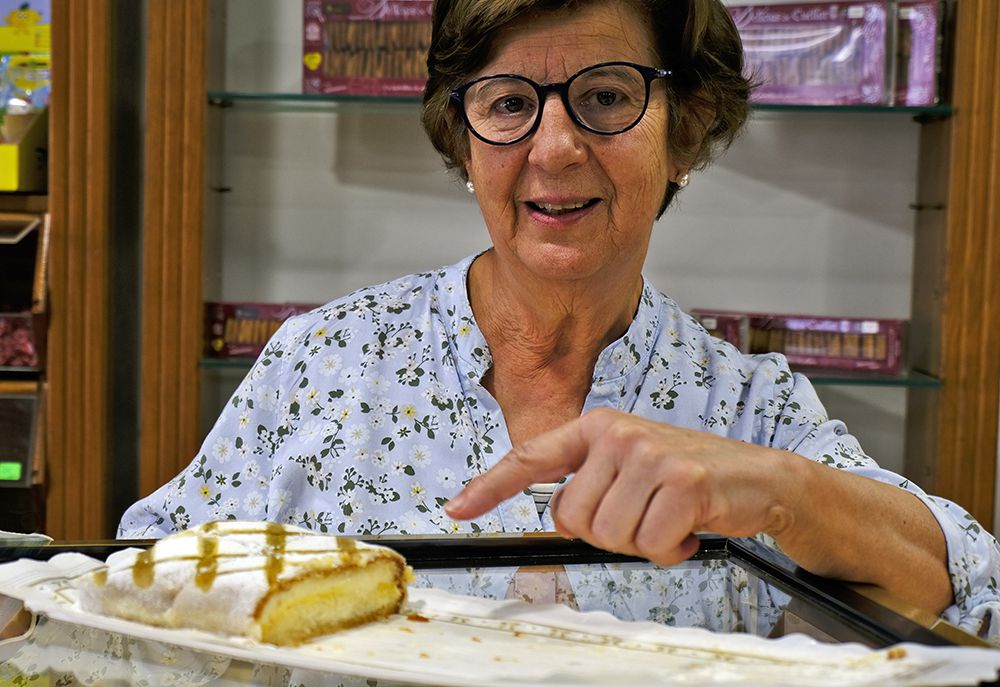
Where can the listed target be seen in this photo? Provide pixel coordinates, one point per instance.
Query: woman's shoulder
(683, 333)
(408, 302)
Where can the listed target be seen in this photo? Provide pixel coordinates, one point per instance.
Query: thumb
(545, 458)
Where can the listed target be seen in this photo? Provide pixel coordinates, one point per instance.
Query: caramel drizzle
(208, 559)
(276, 540)
(207, 566)
(142, 570)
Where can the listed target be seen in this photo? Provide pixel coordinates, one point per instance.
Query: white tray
(446, 639)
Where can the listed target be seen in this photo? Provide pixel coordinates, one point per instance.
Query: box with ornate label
(25, 26)
(359, 47)
(240, 330)
(816, 53)
(808, 341)
(920, 50)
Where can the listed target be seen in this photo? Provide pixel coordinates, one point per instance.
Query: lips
(566, 207)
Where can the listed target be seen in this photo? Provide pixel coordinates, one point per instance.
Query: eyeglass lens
(606, 99)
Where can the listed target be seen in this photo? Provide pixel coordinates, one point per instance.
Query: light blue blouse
(366, 415)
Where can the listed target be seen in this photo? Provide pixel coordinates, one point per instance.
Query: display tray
(443, 638)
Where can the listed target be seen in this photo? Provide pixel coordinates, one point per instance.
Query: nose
(558, 142)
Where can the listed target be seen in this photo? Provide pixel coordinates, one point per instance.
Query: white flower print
(253, 504)
(525, 513)
(267, 397)
(376, 421)
(378, 458)
(361, 454)
(311, 431)
(420, 454)
(412, 522)
(398, 468)
(230, 506)
(356, 435)
(489, 523)
(223, 449)
(281, 498)
(348, 376)
(417, 491)
(446, 478)
(310, 399)
(243, 420)
(251, 469)
(330, 365)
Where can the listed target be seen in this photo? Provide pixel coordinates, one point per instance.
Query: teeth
(548, 207)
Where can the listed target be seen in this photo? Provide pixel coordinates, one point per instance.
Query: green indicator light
(10, 472)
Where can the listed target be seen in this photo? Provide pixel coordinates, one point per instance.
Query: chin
(563, 263)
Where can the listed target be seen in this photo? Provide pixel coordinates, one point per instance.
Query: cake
(270, 582)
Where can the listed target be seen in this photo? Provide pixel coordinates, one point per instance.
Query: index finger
(545, 458)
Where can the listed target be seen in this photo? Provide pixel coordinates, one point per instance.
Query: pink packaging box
(241, 330)
(833, 343)
(733, 327)
(364, 47)
(18, 347)
(816, 53)
(918, 51)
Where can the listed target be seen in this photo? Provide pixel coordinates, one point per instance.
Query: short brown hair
(696, 39)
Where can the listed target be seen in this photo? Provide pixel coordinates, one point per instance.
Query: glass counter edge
(881, 625)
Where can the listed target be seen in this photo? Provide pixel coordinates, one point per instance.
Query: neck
(545, 324)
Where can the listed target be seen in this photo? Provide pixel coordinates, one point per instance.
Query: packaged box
(733, 327)
(24, 148)
(23, 313)
(807, 341)
(359, 47)
(240, 330)
(919, 51)
(25, 26)
(816, 53)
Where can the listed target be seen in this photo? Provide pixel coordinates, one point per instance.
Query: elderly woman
(574, 123)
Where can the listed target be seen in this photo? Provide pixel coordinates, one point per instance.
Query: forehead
(551, 46)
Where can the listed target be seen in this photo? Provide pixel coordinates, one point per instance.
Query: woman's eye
(606, 98)
(511, 104)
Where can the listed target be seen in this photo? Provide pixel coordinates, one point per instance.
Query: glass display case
(516, 610)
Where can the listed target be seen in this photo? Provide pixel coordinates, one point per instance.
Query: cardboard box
(816, 53)
(919, 51)
(240, 330)
(24, 150)
(25, 26)
(359, 47)
(24, 241)
(813, 342)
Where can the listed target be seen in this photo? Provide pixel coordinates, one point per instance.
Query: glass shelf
(309, 102)
(910, 378)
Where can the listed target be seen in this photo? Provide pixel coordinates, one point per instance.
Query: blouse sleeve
(973, 553)
(229, 477)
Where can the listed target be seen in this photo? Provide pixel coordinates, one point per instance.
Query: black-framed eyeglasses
(607, 98)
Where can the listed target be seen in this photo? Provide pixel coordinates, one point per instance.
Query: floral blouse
(366, 415)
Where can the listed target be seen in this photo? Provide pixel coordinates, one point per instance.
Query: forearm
(849, 527)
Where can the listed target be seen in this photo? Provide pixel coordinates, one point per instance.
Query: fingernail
(456, 503)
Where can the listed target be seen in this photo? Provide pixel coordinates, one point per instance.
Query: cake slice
(267, 581)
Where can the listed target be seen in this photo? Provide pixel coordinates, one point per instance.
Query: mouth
(562, 209)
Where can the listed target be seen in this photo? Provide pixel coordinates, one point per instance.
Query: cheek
(647, 165)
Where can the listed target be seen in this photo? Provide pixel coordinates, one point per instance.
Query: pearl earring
(683, 180)
(470, 187)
